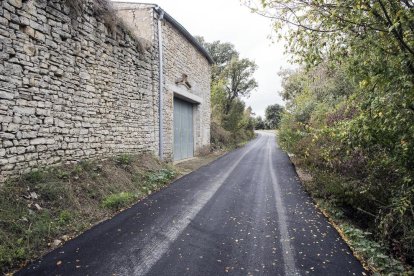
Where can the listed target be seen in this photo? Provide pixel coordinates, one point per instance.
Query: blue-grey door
(183, 130)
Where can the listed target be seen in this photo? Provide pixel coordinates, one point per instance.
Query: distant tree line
(273, 116)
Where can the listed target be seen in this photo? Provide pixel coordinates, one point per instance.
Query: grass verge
(43, 209)
(373, 255)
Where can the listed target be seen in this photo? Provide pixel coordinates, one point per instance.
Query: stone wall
(71, 88)
(181, 57)
(139, 18)
(75, 85)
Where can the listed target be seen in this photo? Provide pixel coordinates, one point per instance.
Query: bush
(117, 201)
(358, 151)
(220, 138)
(124, 159)
(161, 176)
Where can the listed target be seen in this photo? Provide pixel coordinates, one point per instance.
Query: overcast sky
(229, 21)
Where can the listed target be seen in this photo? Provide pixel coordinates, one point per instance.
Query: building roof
(178, 26)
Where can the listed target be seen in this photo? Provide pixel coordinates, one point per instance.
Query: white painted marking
(287, 250)
(158, 246)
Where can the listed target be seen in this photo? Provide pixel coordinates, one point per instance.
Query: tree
(292, 84)
(351, 107)
(339, 28)
(239, 121)
(235, 73)
(273, 115)
(221, 53)
(259, 123)
(235, 116)
(239, 79)
(232, 79)
(218, 101)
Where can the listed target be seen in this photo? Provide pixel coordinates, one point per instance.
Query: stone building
(74, 85)
(185, 81)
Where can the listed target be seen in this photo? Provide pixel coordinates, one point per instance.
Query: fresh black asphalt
(243, 214)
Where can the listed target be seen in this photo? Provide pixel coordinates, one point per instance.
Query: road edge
(331, 220)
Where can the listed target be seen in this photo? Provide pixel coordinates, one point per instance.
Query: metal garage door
(183, 130)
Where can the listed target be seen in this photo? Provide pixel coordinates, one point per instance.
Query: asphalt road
(243, 214)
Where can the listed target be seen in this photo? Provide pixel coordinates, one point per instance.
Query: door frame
(187, 95)
(193, 124)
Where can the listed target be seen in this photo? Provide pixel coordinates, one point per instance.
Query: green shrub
(35, 176)
(372, 251)
(65, 216)
(374, 254)
(124, 159)
(356, 145)
(161, 176)
(117, 201)
(220, 138)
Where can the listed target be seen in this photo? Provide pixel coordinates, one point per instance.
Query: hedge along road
(243, 214)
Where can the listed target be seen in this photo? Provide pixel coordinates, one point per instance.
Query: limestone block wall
(140, 20)
(181, 57)
(70, 87)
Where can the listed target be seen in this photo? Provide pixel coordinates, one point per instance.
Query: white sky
(229, 21)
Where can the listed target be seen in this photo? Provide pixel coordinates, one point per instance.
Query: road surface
(243, 214)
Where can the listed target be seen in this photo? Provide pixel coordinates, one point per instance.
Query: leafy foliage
(221, 52)
(161, 176)
(259, 123)
(373, 253)
(273, 115)
(124, 159)
(357, 157)
(232, 79)
(119, 200)
(350, 109)
(338, 29)
(239, 81)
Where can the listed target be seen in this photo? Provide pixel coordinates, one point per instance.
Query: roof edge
(177, 25)
(151, 5)
(186, 34)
